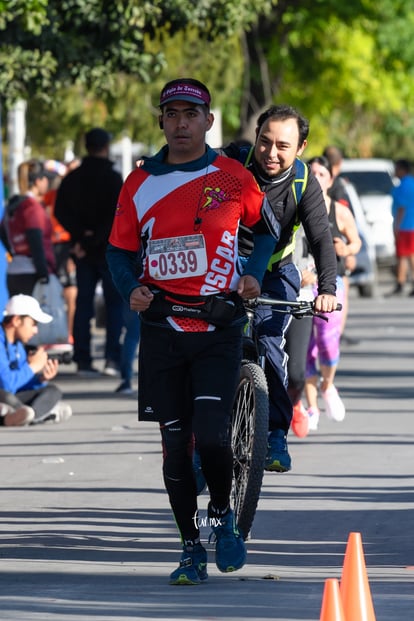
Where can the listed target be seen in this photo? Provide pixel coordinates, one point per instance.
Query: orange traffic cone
(354, 589)
(332, 609)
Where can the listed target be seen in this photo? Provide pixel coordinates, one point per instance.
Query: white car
(374, 180)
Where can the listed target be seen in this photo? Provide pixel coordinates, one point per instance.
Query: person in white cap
(24, 377)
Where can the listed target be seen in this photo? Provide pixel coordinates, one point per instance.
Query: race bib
(177, 257)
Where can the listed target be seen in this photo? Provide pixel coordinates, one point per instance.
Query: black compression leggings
(217, 464)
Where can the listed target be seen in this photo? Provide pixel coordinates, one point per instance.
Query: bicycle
(251, 413)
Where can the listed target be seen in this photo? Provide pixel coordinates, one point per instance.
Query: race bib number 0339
(177, 257)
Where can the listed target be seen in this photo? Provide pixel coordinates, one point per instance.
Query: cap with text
(26, 305)
(181, 91)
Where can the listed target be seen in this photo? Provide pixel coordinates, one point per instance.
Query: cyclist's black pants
(297, 342)
(188, 381)
(272, 328)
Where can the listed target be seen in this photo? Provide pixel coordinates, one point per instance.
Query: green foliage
(90, 41)
(29, 15)
(20, 67)
(131, 106)
(342, 65)
(83, 62)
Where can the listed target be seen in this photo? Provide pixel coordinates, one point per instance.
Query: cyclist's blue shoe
(230, 547)
(198, 473)
(193, 566)
(277, 458)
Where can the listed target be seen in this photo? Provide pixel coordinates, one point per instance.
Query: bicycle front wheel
(249, 443)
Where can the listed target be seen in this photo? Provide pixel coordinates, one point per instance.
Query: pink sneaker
(300, 421)
(334, 407)
(313, 415)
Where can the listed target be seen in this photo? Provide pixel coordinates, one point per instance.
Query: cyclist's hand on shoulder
(248, 287)
(140, 299)
(325, 303)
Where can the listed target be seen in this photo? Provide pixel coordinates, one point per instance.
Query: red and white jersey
(186, 225)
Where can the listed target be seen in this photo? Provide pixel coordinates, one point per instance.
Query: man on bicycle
(181, 212)
(281, 138)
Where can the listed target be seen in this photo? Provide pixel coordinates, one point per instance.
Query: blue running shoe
(277, 458)
(198, 473)
(230, 547)
(192, 568)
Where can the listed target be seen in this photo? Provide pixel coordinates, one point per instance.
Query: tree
(47, 44)
(341, 65)
(131, 106)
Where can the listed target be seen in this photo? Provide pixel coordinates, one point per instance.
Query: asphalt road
(86, 531)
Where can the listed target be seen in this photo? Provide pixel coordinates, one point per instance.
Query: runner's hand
(140, 299)
(248, 287)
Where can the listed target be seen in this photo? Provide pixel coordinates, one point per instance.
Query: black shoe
(411, 294)
(398, 290)
(348, 340)
(125, 388)
(87, 370)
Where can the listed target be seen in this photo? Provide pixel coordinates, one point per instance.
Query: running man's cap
(26, 305)
(183, 91)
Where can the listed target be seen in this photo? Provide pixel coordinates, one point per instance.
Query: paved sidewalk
(86, 530)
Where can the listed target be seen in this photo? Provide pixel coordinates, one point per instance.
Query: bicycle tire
(249, 443)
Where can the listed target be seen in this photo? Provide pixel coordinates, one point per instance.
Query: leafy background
(349, 67)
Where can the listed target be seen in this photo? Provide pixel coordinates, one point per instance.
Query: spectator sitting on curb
(24, 376)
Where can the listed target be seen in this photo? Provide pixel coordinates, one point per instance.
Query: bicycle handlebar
(297, 308)
(276, 302)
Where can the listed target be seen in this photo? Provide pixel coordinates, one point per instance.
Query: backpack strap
(298, 188)
(245, 155)
(300, 181)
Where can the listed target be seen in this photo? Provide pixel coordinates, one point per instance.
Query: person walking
(181, 210)
(403, 214)
(130, 344)
(29, 231)
(298, 336)
(85, 207)
(65, 266)
(295, 197)
(339, 193)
